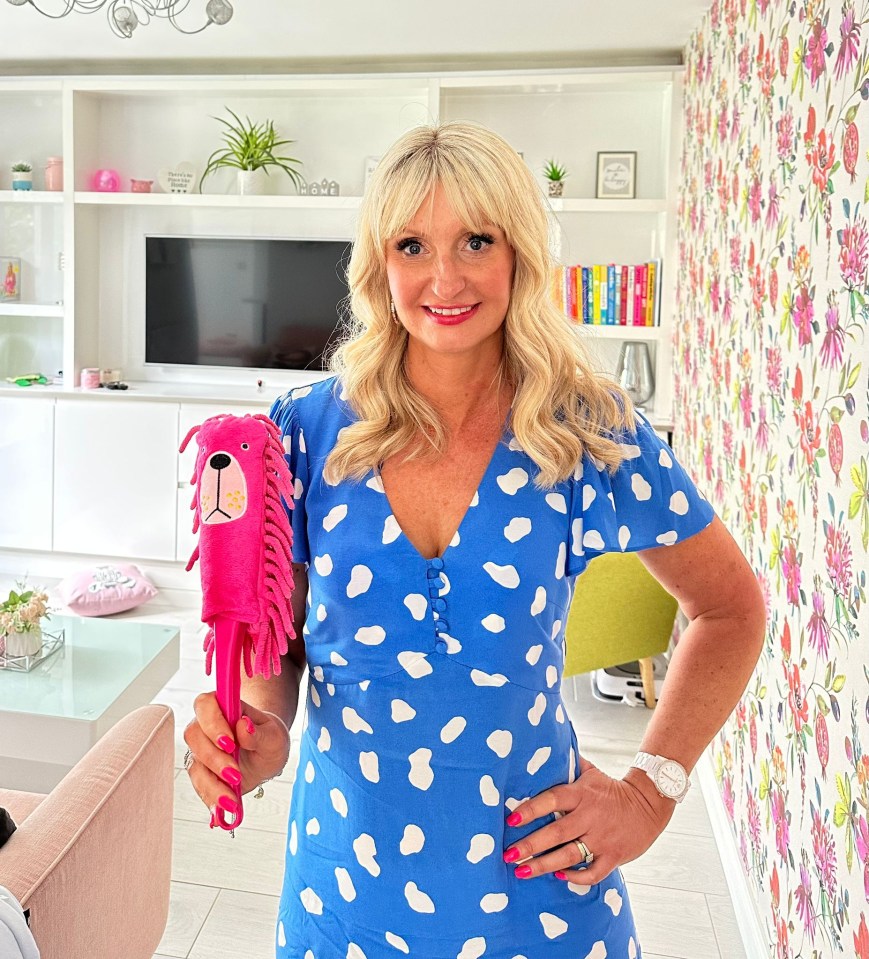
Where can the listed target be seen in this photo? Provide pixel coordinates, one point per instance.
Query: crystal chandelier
(125, 15)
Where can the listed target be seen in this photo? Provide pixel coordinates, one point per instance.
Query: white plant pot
(24, 644)
(22, 181)
(253, 182)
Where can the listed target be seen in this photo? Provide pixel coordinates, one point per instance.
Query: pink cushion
(103, 590)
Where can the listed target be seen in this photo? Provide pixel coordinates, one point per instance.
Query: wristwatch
(670, 778)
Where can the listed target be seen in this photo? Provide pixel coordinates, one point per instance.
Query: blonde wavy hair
(561, 406)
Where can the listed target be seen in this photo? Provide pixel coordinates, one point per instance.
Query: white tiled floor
(224, 890)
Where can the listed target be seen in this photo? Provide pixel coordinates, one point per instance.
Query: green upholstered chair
(619, 613)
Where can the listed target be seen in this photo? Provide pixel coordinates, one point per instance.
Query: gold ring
(584, 851)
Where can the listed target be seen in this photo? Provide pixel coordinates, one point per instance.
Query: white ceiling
(293, 35)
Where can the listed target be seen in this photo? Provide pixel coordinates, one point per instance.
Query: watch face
(671, 779)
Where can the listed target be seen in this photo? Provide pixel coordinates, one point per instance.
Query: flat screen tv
(242, 302)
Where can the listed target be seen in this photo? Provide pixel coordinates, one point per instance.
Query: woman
(461, 467)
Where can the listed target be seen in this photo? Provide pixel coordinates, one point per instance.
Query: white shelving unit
(92, 313)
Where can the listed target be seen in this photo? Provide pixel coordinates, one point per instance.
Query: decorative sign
(180, 179)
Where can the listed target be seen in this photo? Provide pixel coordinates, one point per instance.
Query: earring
(393, 311)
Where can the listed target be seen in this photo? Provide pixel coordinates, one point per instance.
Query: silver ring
(584, 851)
(189, 760)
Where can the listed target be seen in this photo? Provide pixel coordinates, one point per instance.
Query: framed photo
(616, 175)
(10, 279)
(370, 164)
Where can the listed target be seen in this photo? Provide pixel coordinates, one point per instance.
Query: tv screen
(215, 301)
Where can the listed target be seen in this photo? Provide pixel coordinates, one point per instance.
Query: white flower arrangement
(23, 610)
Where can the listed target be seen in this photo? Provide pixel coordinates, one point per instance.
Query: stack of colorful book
(610, 294)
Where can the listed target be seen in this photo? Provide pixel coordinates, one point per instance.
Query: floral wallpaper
(771, 357)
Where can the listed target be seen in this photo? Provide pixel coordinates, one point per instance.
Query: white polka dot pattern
(434, 702)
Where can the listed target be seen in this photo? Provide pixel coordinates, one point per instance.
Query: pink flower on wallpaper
(780, 819)
(818, 627)
(715, 292)
(815, 55)
(746, 393)
(772, 209)
(728, 311)
(744, 63)
(805, 908)
(797, 699)
(774, 369)
(785, 139)
(825, 852)
(837, 558)
(727, 440)
(833, 347)
(862, 839)
(854, 253)
(792, 573)
(735, 254)
(762, 433)
(722, 123)
(803, 313)
(810, 433)
(735, 125)
(821, 159)
(753, 822)
(755, 196)
(727, 796)
(849, 42)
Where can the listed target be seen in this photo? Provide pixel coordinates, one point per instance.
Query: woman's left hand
(617, 819)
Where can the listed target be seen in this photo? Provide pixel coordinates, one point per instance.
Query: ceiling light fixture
(125, 15)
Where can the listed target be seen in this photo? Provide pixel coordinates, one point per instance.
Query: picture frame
(616, 175)
(370, 164)
(10, 279)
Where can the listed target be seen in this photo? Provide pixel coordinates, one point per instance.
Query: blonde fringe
(562, 407)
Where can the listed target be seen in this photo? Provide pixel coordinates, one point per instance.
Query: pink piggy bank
(106, 181)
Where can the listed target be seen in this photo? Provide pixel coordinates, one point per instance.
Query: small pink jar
(90, 379)
(54, 174)
(141, 186)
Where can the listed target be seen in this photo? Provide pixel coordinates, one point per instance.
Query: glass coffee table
(51, 716)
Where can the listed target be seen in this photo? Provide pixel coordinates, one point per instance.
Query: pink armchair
(92, 860)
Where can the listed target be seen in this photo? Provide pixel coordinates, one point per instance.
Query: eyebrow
(411, 232)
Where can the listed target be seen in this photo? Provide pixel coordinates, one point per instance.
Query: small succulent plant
(22, 167)
(554, 171)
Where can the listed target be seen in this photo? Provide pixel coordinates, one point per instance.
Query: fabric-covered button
(441, 646)
(439, 604)
(431, 573)
(435, 584)
(436, 563)
(441, 625)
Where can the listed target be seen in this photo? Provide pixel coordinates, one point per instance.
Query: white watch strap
(647, 762)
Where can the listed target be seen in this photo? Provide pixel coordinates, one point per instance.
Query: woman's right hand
(264, 748)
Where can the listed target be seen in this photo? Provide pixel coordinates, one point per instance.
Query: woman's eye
(413, 246)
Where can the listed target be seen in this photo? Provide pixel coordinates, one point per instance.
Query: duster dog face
(243, 492)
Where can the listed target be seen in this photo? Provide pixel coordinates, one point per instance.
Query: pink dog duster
(243, 491)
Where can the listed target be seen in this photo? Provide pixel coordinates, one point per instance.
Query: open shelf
(227, 201)
(30, 309)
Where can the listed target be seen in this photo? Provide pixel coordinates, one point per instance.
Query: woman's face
(436, 265)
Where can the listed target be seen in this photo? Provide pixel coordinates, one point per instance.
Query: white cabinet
(26, 440)
(115, 478)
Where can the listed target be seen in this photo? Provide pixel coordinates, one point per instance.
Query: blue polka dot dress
(434, 703)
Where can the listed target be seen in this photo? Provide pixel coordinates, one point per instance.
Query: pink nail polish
(230, 805)
(522, 872)
(514, 819)
(230, 775)
(226, 744)
(511, 855)
(560, 875)
(249, 726)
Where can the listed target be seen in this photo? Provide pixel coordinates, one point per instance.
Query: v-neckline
(505, 429)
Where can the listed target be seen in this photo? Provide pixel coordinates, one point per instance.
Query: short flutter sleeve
(285, 416)
(649, 501)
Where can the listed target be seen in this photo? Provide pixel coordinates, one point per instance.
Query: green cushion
(619, 613)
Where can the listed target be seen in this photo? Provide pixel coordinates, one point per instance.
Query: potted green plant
(22, 176)
(555, 174)
(250, 149)
(21, 615)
